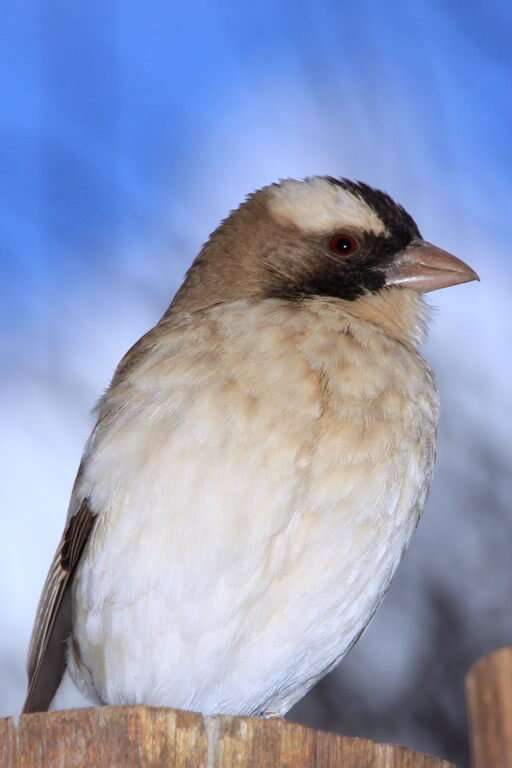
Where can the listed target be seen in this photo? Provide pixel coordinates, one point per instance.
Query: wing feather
(52, 627)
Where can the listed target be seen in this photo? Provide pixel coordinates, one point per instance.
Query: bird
(257, 467)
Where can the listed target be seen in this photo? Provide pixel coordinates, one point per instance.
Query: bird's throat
(398, 313)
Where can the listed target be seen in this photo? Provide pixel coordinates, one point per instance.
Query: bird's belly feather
(245, 540)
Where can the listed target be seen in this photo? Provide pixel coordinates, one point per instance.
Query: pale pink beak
(424, 267)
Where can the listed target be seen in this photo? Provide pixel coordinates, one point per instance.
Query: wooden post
(489, 698)
(146, 737)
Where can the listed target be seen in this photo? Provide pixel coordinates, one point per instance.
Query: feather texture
(47, 652)
(258, 469)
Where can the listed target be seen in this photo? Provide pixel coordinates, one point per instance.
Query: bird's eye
(343, 245)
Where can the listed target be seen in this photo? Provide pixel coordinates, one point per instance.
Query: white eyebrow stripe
(317, 205)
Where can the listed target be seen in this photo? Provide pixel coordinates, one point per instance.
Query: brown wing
(52, 627)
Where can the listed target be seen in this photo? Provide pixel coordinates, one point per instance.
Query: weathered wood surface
(489, 698)
(145, 737)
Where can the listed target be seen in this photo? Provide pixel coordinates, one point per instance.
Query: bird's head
(321, 238)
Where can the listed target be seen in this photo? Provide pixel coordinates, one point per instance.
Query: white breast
(257, 477)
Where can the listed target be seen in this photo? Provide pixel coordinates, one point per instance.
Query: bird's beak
(424, 267)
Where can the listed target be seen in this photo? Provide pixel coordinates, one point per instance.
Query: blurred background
(127, 131)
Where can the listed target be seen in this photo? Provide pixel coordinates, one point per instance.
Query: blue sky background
(126, 133)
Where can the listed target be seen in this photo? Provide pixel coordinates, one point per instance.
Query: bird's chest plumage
(254, 500)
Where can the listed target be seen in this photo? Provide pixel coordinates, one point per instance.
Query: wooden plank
(489, 700)
(7, 743)
(145, 737)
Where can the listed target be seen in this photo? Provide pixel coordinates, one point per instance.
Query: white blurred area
(451, 599)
